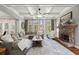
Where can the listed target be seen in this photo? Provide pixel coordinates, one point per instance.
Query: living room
(33, 29)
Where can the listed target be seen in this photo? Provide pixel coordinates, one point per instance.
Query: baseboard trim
(76, 46)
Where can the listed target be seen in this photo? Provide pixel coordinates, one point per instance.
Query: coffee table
(37, 42)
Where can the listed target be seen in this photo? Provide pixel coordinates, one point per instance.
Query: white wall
(76, 20)
(57, 29)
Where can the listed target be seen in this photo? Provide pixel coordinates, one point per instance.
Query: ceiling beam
(30, 10)
(52, 13)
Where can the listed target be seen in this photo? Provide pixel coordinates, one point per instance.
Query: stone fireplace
(67, 34)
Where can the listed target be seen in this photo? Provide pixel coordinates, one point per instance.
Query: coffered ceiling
(38, 11)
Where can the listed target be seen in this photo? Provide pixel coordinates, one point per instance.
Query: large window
(7, 24)
(37, 25)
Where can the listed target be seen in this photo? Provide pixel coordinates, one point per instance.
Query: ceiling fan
(38, 12)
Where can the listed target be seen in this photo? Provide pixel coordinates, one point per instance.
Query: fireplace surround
(68, 31)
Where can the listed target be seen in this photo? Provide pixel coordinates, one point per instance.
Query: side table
(2, 51)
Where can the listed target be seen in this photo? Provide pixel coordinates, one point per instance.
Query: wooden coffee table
(2, 51)
(37, 42)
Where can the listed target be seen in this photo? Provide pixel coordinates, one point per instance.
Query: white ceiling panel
(51, 10)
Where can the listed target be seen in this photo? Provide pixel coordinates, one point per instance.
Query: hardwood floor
(73, 49)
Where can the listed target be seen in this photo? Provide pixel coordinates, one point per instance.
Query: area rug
(49, 47)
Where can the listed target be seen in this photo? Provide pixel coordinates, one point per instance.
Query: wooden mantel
(70, 26)
(69, 29)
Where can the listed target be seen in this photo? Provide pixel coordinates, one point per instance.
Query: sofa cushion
(25, 43)
(7, 38)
